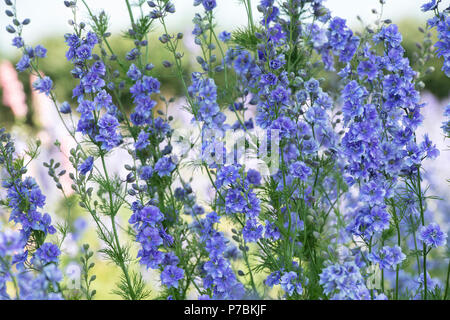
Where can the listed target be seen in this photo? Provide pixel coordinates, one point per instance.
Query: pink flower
(13, 94)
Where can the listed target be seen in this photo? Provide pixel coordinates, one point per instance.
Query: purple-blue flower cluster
(442, 24)
(217, 273)
(154, 241)
(344, 282)
(91, 94)
(339, 198)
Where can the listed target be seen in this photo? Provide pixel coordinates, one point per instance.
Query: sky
(49, 17)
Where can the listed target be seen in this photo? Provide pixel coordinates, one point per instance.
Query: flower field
(293, 158)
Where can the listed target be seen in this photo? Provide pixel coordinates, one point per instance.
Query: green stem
(116, 237)
(130, 12)
(247, 263)
(447, 282)
(397, 227)
(424, 248)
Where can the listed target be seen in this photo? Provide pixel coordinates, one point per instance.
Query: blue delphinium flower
(271, 231)
(285, 126)
(428, 148)
(30, 55)
(25, 198)
(171, 275)
(442, 22)
(429, 5)
(86, 166)
(18, 42)
(37, 287)
(102, 129)
(45, 254)
(374, 153)
(204, 92)
(40, 51)
(254, 177)
(353, 96)
(419, 283)
(344, 282)
(216, 245)
(23, 64)
(29, 285)
(300, 170)
(133, 54)
(134, 73)
(388, 257)
(234, 201)
(341, 39)
(273, 279)
(146, 172)
(280, 96)
(164, 166)
(290, 284)
(108, 135)
(227, 175)
(367, 68)
(140, 91)
(43, 85)
(218, 275)
(389, 35)
(373, 193)
(312, 85)
(432, 235)
(65, 108)
(209, 4)
(92, 81)
(252, 231)
(225, 36)
(154, 241)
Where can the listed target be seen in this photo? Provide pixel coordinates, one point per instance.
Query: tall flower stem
(447, 281)
(116, 236)
(422, 218)
(397, 227)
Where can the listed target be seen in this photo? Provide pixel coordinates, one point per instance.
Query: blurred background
(29, 116)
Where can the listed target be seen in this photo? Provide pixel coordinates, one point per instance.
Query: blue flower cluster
(387, 257)
(142, 89)
(28, 285)
(30, 56)
(24, 196)
(344, 282)
(204, 93)
(91, 94)
(288, 281)
(218, 276)
(25, 199)
(344, 197)
(376, 164)
(442, 24)
(432, 236)
(153, 238)
(239, 196)
(446, 124)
